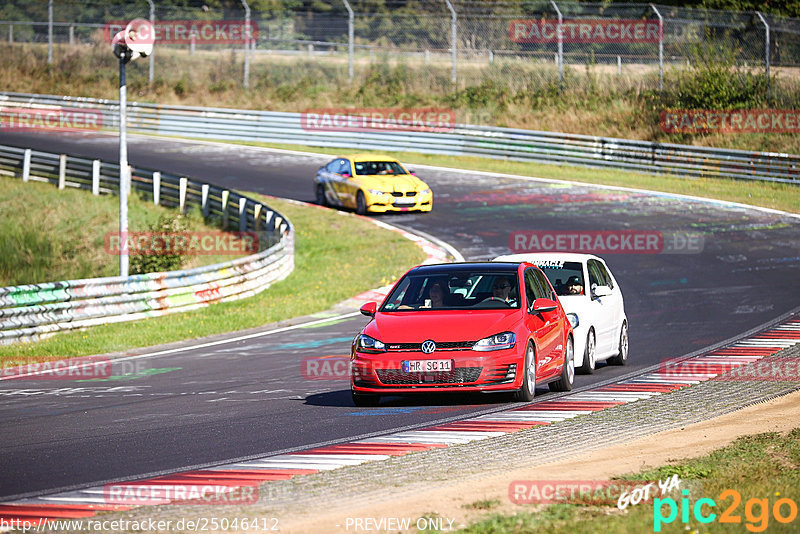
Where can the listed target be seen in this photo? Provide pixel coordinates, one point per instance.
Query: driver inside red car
(501, 289)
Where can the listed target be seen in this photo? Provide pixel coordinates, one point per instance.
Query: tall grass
(593, 99)
(48, 235)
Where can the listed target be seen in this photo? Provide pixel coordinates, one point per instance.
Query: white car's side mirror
(601, 291)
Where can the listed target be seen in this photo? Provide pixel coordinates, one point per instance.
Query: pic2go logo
(756, 511)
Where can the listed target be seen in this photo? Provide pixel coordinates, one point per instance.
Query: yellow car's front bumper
(387, 202)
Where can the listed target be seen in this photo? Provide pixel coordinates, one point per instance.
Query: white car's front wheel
(564, 383)
(622, 357)
(589, 355)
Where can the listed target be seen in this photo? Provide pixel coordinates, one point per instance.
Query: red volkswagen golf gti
(488, 327)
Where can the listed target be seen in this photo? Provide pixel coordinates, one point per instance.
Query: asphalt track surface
(209, 405)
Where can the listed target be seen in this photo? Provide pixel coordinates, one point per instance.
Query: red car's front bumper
(471, 371)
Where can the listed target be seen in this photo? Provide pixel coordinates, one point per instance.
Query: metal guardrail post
(96, 177)
(766, 45)
(660, 48)
(62, 171)
(10, 34)
(453, 37)
(204, 200)
(182, 186)
(350, 38)
(50, 32)
(153, 22)
(246, 44)
(242, 214)
(560, 36)
(26, 165)
(156, 188)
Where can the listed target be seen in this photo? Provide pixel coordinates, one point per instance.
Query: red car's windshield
(456, 290)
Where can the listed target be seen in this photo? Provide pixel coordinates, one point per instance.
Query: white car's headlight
(376, 192)
(502, 341)
(573, 320)
(369, 344)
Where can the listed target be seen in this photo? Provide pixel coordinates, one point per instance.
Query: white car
(597, 315)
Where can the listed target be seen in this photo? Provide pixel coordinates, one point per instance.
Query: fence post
(182, 183)
(660, 48)
(766, 45)
(96, 177)
(242, 214)
(26, 165)
(72, 35)
(204, 200)
(10, 34)
(453, 36)
(153, 22)
(350, 38)
(224, 203)
(50, 32)
(560, 37)
(246, 43)
(62, 171)
(156, 188)
(257, 217)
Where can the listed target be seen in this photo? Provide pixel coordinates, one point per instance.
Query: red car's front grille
(459, 375)
(417, 347)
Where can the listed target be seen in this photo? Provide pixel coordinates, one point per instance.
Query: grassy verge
(779, 196)
(331, 265)
(48, 235)
(765, 467)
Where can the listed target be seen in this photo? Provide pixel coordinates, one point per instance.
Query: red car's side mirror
(369, 309)
(543, 306)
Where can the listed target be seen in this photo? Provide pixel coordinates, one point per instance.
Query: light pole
(135, 41)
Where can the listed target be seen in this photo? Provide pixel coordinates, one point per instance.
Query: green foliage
(716, 81)
(167, 227)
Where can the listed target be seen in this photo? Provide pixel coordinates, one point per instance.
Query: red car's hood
(445, 325)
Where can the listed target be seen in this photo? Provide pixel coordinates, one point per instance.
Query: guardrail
(29, 312)
(464, 140)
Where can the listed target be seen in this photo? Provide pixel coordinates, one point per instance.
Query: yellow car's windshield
(378, 167)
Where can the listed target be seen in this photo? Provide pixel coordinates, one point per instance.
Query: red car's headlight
(369, 344)
(502, 341)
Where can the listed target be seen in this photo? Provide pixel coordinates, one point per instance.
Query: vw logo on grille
(428, 346)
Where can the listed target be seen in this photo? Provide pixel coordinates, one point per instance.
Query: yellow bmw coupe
(370, 183)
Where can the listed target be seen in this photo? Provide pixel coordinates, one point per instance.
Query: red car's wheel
(528, 389)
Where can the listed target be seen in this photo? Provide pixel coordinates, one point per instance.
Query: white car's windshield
(455, 290)
(566, 276)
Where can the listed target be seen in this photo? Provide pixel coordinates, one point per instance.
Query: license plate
(427, 366)
(402, 200)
